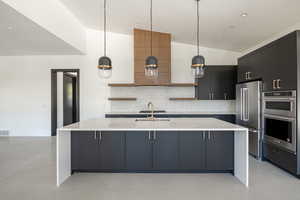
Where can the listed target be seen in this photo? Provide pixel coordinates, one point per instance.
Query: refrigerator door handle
(247, 110)
(242, 103)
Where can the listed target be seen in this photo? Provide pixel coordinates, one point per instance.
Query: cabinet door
(165, 150)
(229, 82)
(112, 150)
(216, 83)
(285, 65)
(191, 151)
(220, 151)
(85, 151)
(243, 67)
(138, 151)
(203, 89)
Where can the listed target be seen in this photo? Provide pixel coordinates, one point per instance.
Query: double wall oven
(279, 119)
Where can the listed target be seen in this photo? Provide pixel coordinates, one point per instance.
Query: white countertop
(175, 124)
(174, 113)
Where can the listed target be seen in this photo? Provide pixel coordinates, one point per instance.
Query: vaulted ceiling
(222, 25)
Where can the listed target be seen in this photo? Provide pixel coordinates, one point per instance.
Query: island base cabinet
(139, 151)
(84, 151)
(192, 151)
(165, 150)
(111, 151)
(220, 151)
(97, 151)
(152, 151)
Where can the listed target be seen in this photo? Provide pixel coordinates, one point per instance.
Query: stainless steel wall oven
(279, 119)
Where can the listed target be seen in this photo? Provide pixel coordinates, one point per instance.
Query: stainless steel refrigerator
(248, 106)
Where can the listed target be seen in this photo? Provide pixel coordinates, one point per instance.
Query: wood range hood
(161, 49)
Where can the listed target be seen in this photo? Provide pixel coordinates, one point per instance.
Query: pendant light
(104, 63)
(198, 61)
(151, 67)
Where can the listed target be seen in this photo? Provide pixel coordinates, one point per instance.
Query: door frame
(54, 97)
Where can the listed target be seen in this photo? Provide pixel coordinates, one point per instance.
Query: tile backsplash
(159, 96)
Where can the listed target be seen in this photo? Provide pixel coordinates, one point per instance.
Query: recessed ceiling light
(232, 26)
(244, 14)
(10, 28)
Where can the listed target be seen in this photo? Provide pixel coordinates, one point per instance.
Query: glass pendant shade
(104, 67)
(198, 66)
(151, 67)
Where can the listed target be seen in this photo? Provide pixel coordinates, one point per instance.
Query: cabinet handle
(225, 96)
(100, 137)
(95, 135)
(249, 75)
(246, 75)
(149, 135)
(154, 135)
(203, 135)
(278, 83)
(274, 84)
(208, 135)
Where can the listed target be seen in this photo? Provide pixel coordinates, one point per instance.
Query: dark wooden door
(68, 107)
(85, 151)
(165, 150)
(191, 150)
(139, 151)
(112, 150)
(220, 151)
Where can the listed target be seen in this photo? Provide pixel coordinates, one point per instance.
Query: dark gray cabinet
(220, 151)
(165, 150)
(275, 64)
(97, 151)
(139, 147)
(217, 84)
(152, 151)
(84, 151)
(192, 150)
(111, 150)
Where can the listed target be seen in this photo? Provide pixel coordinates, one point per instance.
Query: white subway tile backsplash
(159, 96)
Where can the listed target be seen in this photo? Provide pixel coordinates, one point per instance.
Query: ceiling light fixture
(104, 63)
(244, 14)
(151, 66)
(198, 61)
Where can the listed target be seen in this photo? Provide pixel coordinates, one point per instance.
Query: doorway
(65, 104)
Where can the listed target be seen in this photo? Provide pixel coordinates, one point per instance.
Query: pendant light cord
(198, 24)
(104, 27)
(151, 25)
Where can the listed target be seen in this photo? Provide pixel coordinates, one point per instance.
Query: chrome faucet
(151, 107)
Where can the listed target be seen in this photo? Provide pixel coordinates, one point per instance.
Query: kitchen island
(181, 145)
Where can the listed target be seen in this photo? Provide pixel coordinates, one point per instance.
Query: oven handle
(289, 119)
(279, 99)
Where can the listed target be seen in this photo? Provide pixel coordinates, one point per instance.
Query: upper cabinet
(218, 83)
(275, 64)
(161, 48)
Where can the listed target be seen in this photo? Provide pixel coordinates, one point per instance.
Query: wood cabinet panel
(161, 44)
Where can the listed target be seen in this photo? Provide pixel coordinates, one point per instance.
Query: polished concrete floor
(27, 172)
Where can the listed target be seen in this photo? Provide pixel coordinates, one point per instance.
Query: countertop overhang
(175, 124)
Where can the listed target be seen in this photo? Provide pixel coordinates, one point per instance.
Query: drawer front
(284, 159)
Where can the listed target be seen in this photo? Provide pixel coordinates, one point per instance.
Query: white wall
(25, 83)
(53, 16)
